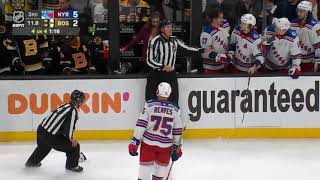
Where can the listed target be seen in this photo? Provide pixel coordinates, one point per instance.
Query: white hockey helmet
(282, 23)
(248, 19)
(164, 90)
(305, 5)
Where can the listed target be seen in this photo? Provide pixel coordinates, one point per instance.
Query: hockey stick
(243, 114)
(170, 170)
(179, 145)
(19, 54)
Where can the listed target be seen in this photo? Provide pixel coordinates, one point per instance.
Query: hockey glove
(265, 47)
(222, 58)
(47, 63)
(176, 153)
(92, 70)
(82, 157)
(316, 59)
(231, 55)
(253, 69)
(295, 72)
(17, 65)
(202, 50)
(133, 147)
(67, 71)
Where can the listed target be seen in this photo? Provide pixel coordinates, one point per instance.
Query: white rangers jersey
(284, 50)
(247, 49)
(309, 35)
(159, 124)
(217, 39)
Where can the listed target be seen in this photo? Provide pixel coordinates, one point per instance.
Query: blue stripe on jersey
(158, 138)
(242, 64)
(316, 46)
(309, 24)
(156, 102)
(246, 37)
(274, 66)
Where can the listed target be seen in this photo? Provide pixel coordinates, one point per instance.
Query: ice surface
(214, 159)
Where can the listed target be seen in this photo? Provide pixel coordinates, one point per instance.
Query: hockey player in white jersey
(281, 48)
(215, 36)
(308, 30)
(245, 46)
(158, 132)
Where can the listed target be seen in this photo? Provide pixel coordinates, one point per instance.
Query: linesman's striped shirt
(62, 120)
(162, 52)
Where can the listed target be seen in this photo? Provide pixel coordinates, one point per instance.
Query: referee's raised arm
(161, 59)
(186, 47)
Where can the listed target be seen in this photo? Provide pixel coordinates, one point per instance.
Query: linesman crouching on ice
(158, 131)
(281, 47)
(56, 131)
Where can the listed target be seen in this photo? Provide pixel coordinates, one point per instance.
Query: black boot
(75, 169)
(30, 164)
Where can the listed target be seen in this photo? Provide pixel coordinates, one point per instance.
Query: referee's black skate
(30, 164)
(75, 169)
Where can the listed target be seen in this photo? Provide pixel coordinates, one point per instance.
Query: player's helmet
(77, 97)
(248, 19)
(282, 23)
(305, 5)
(164, 90)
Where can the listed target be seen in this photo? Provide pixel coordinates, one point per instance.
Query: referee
(161, 59)
(56, 131)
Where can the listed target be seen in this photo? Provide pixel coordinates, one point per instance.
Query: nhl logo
(18, 17)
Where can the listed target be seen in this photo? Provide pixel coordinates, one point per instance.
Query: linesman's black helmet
(165, 22)
(77, 97)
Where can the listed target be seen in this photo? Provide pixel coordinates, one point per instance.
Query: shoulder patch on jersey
(152, 101)
(174, 105)
(312, 22)
(208, 28)
(225, 23)
(292, 33)
(255, 36)
(237, 27)
(271, 28)
(296, 20)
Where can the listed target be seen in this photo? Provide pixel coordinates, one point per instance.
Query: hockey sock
(145, 172)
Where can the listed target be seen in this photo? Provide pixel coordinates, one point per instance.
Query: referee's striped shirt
(162, 52)
(62, 120)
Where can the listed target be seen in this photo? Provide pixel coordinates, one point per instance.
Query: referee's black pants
(155, 78)
(47, 141)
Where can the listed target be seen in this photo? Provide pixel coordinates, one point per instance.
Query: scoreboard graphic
(45, 22)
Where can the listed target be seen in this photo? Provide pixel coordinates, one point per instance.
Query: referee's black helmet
(77, 97)
(165, 22)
